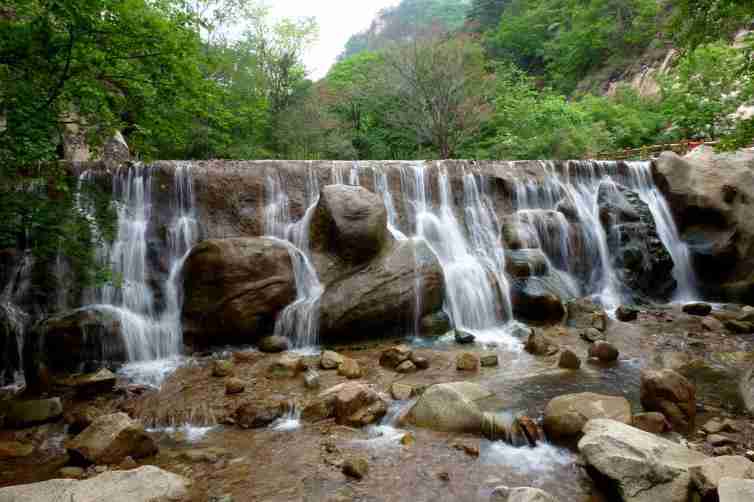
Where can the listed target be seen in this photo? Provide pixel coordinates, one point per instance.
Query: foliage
(484, 15)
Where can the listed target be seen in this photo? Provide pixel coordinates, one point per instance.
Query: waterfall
(299, 321)
(15, 320)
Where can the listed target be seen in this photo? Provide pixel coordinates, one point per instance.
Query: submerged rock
(112, 438)
(672, 395)
(234, 289)
(566, 415)
(145, 484)
(640, 466)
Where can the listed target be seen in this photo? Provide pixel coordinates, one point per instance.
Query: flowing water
(15, 320)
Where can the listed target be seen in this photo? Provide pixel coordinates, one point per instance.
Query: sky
(338, 20)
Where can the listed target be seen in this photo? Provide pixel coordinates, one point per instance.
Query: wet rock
(566, 415)
(286, 366)
(408, 439)
(110, 439)
(435, 324)
(463, 337)
(719, 440)
(71, 472)
(672, 395)
(522, 263)
(330, 360)
(640, 466)
(569, 360)
(222, 368)
(626, 313)
(520, 494)
(99, 382)
(472, 450)
(739, 327)
(392, 357)
(652, 421)
(401, 391)
(19, 414)
(406, 367)
(467, 361)
(735, 490)
(256, 416)
(698, 308)
(349, 222)
(373, 300)
(604, 351)
(706, 476)
(488, 360)
(712, 324)
(234, 289)
(15, 449)
(311, 379)
(234, 386)
(540, 299)
(420, 361)
(592, 335)
(350, 369)
(355, 404)
(530, 429)
(716, 425)
(81, 417)
(539, 345)
(145, 484)
(583, 313)
(273, 344)
(356, 467)
(449, 407)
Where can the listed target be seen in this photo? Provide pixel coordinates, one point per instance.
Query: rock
(90, 384)
(540, 299)
(698, 309)
(222, 368)
(583, 313)
(349, 222)
(735, 490)
(471, 450)
(530, 429)
(115, 150)
(463, 337)
(719, 440)
(408, 439)
(712, 324)
(81, 417)
(706, 476)
(592, 335)
(566, 415)
(652, 421)
(406, 367)
(71, 472)
(467, 361)
(311, 379)
(672, 395)
(722, 451)
(286, 366)
(273, 344)
(539, 345)
(330, 360)
(435, 324)
(569, 360)
(110, 439)
(256, 416)
(640, 466)
(715, 425)
(392, 357)
(234, 386)
(604, 351)
(449, 407)
(626, 313)
(401, 391)
(234, 289)
(19, 414)
(350, 369)
(522, 263)
(520, 494)
(355, 404)
(641, 261)
(421, 362)
(488, 360)
(14, 449)
(373, 300)
(739, 327)
(145, 484)
(356, 467)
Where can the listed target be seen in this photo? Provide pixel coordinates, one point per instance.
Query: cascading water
(15, 320)
(299, 321)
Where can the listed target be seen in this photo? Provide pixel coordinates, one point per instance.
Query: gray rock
(706, 476)
(735, 490)
(21, 414)
(592, 335)
(566, 415)
(641, 466)
(311, 379)
(488, 360)
(145, 484)
(449, 407)
(273, 344)
(112, 438)
(520, 494)
(330, 360)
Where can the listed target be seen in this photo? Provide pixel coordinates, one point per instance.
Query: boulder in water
(19, 414)
(351, 403)
(350, 222)
(566, 415)
(540, 299)
(273, 344)
(626, 313)
(639, 466)
(234, 289)
(112, 438)
(583, 313)
(467, 361)
(539, 345)
(257, 415)
(603, 351)
(569, 360)
(449, 407)
(672, 395)
(463, 337)
(697, 308)
(234, 386)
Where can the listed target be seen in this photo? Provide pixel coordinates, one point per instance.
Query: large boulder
(641, 261)
(380, 296)
(145, 484)
(112, 438)
(710, 196)
(449, 407)
(349, 222)
(540, 298)
(706, 476)
(671, 394)
(735, 490)
(234, 289)
(566, 415)
(31, 412)
(350, 403)
(639, 466)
